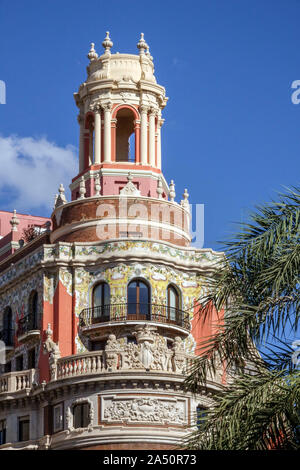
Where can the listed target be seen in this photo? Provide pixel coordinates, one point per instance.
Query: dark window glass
(33, 311)
(19, 363)
(7, 367)
(81, 413)
(201, 416)
(31, 359)
(131, 339)
(7, 331)
(138, 298)
(2, 432)
(98, 345)
(101, 300)
(172, 303)
(132, 292)
(24, 429)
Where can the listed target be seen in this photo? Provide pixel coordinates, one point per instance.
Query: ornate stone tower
(119, 283)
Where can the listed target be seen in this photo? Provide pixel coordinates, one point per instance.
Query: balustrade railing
(134, 311)
(17, 381)
(81, 364)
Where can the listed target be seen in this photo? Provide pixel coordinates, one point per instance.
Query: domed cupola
(120, 117)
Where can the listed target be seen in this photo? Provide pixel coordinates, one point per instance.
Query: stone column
(159, 124)
(80, 120)
(91, 145)
(137, 130)
(97, 111)
(144, 143)
(152, 137)
(107, 132)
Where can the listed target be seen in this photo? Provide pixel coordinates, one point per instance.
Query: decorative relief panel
(142, 409)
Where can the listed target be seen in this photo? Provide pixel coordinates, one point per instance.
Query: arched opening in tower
(125, 138)
(89, 141)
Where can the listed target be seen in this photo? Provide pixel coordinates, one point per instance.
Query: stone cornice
(80, 254)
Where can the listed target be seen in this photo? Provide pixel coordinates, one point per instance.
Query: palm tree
(257, 285)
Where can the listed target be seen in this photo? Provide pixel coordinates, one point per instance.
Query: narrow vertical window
(7, 331)
(101, 302)
(172, 304)
(81, 414)
(19, 362)
(32, 319)
(138, 296)
(2, 432)
(23, 429)
(201, 414)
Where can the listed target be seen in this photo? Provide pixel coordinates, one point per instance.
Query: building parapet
(20, 381)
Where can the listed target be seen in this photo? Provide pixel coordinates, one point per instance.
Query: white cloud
(32, 170)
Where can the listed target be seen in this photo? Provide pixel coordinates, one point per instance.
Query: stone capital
(107, 107)
(96, 107)
(152, 111)
(144, 109)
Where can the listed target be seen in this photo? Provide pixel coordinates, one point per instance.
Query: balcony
(7, 336)
(21, 382)
(27, 328)
(118, 313)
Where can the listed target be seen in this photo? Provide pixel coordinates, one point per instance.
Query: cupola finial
(92, 55)
(14, 222)
(142, 45)
(107, 43)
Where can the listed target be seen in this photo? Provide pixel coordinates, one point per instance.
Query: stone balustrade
(17, 381)
(80, 364)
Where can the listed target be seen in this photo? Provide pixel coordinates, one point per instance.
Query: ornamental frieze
(147, 409)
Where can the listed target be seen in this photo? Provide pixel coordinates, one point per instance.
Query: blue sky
(231, 132)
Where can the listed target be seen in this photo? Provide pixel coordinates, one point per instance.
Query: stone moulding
(126, 249)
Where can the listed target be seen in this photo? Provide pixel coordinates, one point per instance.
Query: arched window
(125, 138)
(101, 302)
(138, 299)
(7, 332)
(32, 319)
(172, 303)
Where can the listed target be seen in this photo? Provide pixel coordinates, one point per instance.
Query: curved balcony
(27, 328)
(113, 313)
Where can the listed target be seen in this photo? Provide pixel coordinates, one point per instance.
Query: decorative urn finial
(107, 43)
(185, 201)
(142, 45)
(92, 55)
(172, 193)
(159, 189)
(14, 222)
(97, 184)
(82, 189)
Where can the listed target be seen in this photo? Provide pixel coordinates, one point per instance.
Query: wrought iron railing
(27, 323)
(132, 311)
(7, 336)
